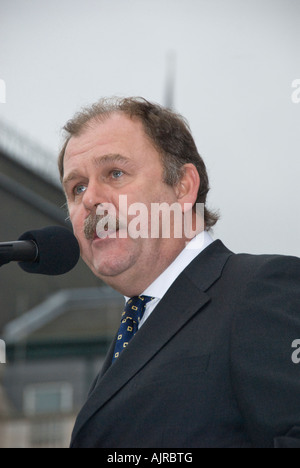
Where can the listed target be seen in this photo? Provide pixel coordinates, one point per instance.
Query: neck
(150, 260)
(136, 280)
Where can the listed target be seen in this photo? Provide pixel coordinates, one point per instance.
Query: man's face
(110, 159)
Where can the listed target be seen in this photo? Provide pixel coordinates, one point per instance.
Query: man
(209, 361)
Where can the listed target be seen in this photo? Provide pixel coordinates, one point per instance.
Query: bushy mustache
(93, 220)
(90, 225)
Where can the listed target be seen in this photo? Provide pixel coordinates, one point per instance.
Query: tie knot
(135, 308)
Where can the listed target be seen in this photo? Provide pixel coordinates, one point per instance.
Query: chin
(110, 267)
(111, 257)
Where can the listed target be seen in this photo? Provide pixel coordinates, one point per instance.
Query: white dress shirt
(160, 286)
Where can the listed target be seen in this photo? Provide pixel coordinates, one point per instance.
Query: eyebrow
(111, 158)
(100, 161)
(73, 175)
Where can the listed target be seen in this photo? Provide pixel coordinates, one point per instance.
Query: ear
(187, 188)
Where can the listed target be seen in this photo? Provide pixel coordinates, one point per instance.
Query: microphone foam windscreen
(58, 251)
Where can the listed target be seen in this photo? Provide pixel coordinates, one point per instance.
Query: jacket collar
(186, 297)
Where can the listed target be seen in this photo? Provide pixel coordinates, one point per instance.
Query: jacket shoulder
(265, 265)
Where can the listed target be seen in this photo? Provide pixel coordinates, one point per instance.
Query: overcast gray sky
(236, 61)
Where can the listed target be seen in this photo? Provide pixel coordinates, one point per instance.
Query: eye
(116, 174)
(79, 189)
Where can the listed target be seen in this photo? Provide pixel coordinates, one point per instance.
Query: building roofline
(56, 305)
(29, 154)
(59, 215)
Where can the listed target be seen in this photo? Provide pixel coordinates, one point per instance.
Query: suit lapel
(183, 300)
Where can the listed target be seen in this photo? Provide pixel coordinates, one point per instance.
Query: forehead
(117, 134)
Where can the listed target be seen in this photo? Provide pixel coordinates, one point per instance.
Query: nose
(93, 196)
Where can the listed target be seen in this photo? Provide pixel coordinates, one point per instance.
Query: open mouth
(104, 233)
(101, 227)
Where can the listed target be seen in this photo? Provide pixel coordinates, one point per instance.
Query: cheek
(151, 191)
(77, 220)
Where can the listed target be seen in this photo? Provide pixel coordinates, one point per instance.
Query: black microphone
(53, 250)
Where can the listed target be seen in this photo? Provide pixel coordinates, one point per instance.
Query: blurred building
(56, 329)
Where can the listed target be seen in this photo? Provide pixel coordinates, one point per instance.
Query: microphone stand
(19, 251)
(5, 255)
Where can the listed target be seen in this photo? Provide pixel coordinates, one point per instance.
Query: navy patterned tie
(131, 317)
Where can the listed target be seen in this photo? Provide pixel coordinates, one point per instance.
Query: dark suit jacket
(211, 367)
